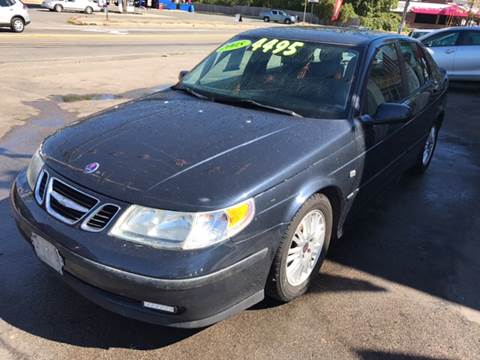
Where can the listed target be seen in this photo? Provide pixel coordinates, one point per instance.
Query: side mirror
(390, 113)
(182, 74)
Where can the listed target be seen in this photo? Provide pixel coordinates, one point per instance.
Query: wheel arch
(328, 188)
(18, 16)
(440, 118)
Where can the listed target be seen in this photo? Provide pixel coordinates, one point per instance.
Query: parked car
(277, 16)
(86, 6)
(14, 14)
(457, 50)
(187, 206)
(416, 33)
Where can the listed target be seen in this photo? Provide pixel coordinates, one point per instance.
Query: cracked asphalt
(403, 282)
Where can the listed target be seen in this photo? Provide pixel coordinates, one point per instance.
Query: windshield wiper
(270, 107)
(258, 104)
(190, 91)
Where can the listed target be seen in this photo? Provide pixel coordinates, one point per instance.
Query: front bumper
(199, 300)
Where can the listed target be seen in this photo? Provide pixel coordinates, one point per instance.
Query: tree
(347, 14)
(372, 7)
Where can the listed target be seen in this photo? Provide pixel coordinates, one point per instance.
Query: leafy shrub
(385, 21)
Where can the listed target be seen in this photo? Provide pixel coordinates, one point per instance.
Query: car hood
(171, 150)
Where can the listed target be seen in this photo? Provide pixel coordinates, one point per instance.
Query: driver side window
(443, 39)
(384, 82)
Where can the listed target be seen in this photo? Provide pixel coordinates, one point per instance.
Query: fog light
(161, 307)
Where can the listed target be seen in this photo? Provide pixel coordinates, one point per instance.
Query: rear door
(443, 47)
(467, 59)
(421, 91)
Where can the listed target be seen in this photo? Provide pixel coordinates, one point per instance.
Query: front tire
(425, 156)
(288, 21)
(58, 8)
(302, 250)
(266, 19)
(17, 25)
(88, 10)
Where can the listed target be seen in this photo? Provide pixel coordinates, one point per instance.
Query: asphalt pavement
(403, 282)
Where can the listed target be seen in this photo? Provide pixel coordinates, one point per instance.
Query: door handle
(449, 51)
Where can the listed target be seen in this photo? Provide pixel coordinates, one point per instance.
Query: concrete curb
(157, 23)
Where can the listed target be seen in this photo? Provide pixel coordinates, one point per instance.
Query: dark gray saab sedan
(187, 206)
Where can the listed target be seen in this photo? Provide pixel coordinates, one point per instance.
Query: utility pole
(305, 10)
(470, 12)
(404, 16)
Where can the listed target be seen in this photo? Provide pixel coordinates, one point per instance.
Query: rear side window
(470, 38)
(5, 3)
(435, 71)
(447, 38)
(416, 67)
(384, 80)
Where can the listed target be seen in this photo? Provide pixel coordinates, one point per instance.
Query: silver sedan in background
(457, 50)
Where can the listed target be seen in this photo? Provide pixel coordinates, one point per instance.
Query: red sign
(336, 10)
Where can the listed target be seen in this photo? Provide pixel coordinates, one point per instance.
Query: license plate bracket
(47, 252)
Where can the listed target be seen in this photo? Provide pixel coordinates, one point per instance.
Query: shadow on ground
(382, 355)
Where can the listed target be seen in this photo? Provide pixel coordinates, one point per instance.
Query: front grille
(41, 187)
(100, 218)
(66, 203)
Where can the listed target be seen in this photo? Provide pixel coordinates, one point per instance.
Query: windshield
(307, 78)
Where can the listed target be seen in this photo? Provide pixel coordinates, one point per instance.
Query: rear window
(416, 67)
(470, 38)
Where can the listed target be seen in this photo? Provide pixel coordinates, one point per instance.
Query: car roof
(459, 28)
(334, 35)
(456, 28)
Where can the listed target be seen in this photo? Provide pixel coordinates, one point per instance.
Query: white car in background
(85, 6)
(457, 50)
(14, 14)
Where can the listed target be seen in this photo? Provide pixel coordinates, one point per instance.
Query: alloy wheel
(429, 146)
(18, 25)
(305, 248)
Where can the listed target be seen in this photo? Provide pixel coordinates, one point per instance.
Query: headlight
(34, 168)
(182, 230)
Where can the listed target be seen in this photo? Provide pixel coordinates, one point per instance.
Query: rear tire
(58, 8)
(88, 10)
(425, 156)
(17, 24)
(302, 250)
(266, 19)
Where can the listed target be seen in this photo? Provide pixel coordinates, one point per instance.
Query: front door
(71, 5)
(6, 11)
(378, 143)
(443, 47)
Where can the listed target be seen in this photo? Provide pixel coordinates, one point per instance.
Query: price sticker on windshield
(234, 45)
(277, 46)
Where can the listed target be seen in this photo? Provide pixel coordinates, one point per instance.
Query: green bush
(347, 14)
(385, 21)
